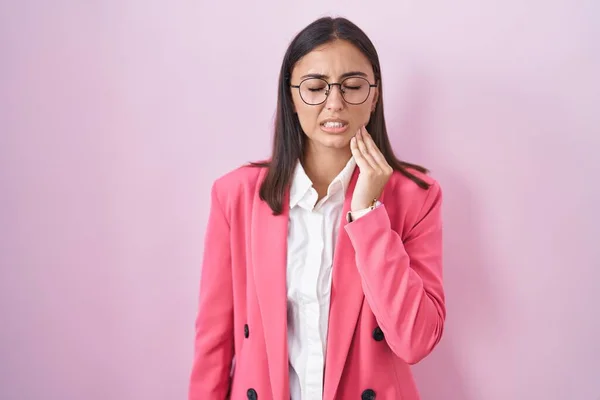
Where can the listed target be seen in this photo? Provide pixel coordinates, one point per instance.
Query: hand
(374, 170)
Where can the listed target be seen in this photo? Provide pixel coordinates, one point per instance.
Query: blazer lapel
(269, 259)
(345, 304)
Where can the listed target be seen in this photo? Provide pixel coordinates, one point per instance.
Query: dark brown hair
(289, 139)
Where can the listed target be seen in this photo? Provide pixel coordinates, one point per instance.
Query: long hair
(289, 139)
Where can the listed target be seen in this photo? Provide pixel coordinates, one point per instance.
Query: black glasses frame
(330, 85)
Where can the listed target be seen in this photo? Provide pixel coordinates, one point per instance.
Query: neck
(322, 165)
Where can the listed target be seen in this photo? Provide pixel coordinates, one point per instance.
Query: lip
(334, 130)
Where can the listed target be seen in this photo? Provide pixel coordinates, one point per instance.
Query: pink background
(115, 117)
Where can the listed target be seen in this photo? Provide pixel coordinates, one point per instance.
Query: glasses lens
(313, 91)
(355, 90)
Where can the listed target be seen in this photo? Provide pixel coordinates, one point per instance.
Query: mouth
(334, 126)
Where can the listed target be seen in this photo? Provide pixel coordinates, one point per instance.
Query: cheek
(308, 117)
(361, 115)
(365, 112)
(304, 113)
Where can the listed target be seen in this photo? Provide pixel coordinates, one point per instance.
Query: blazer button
(246, 331)
(368, 394)
(252, 394)
(378, 334)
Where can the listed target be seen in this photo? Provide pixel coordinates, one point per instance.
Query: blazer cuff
(352, 216)
(378, 221)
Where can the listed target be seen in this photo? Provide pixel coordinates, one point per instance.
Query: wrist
(360, 212)
(363, 206)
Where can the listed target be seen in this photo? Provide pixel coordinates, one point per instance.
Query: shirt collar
(301, 183)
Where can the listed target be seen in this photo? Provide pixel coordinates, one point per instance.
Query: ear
(375, 99)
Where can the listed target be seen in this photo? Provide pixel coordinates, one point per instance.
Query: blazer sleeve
(214, 343)
(402, 279)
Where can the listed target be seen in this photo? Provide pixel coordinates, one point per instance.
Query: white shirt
(312, 234)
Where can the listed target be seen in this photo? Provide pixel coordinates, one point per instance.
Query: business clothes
(312, 235)
(386, 297)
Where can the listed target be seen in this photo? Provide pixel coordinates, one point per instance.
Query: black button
(252, 394)
(378, 334)
(368, 394)
(246, 331)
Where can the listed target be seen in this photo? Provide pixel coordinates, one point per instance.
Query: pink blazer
(387, 301)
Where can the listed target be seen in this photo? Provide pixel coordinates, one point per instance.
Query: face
(332, 123)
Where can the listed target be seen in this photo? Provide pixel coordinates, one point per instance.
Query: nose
(335, 100)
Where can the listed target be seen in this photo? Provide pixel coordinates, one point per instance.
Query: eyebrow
(344, 75)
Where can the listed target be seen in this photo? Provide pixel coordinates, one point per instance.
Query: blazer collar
(268, 241)
(269, 262)
(301, 183)
(345, 303)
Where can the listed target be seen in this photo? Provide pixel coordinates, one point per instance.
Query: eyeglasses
(314, 91)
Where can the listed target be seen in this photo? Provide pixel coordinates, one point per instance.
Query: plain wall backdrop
(116, 116)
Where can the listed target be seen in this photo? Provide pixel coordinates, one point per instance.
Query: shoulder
(403, 184)
(237, 182)
(241, 176)
(410, 200)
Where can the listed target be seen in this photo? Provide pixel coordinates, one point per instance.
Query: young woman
(322, 270)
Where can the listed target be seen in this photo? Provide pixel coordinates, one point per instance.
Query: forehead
(332, 60)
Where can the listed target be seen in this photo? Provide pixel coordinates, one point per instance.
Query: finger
(365, 152)
(358, 157)
(375, 153)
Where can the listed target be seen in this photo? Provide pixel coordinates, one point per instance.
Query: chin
(335, 141)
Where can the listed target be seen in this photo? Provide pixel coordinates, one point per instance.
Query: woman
(322, 270)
